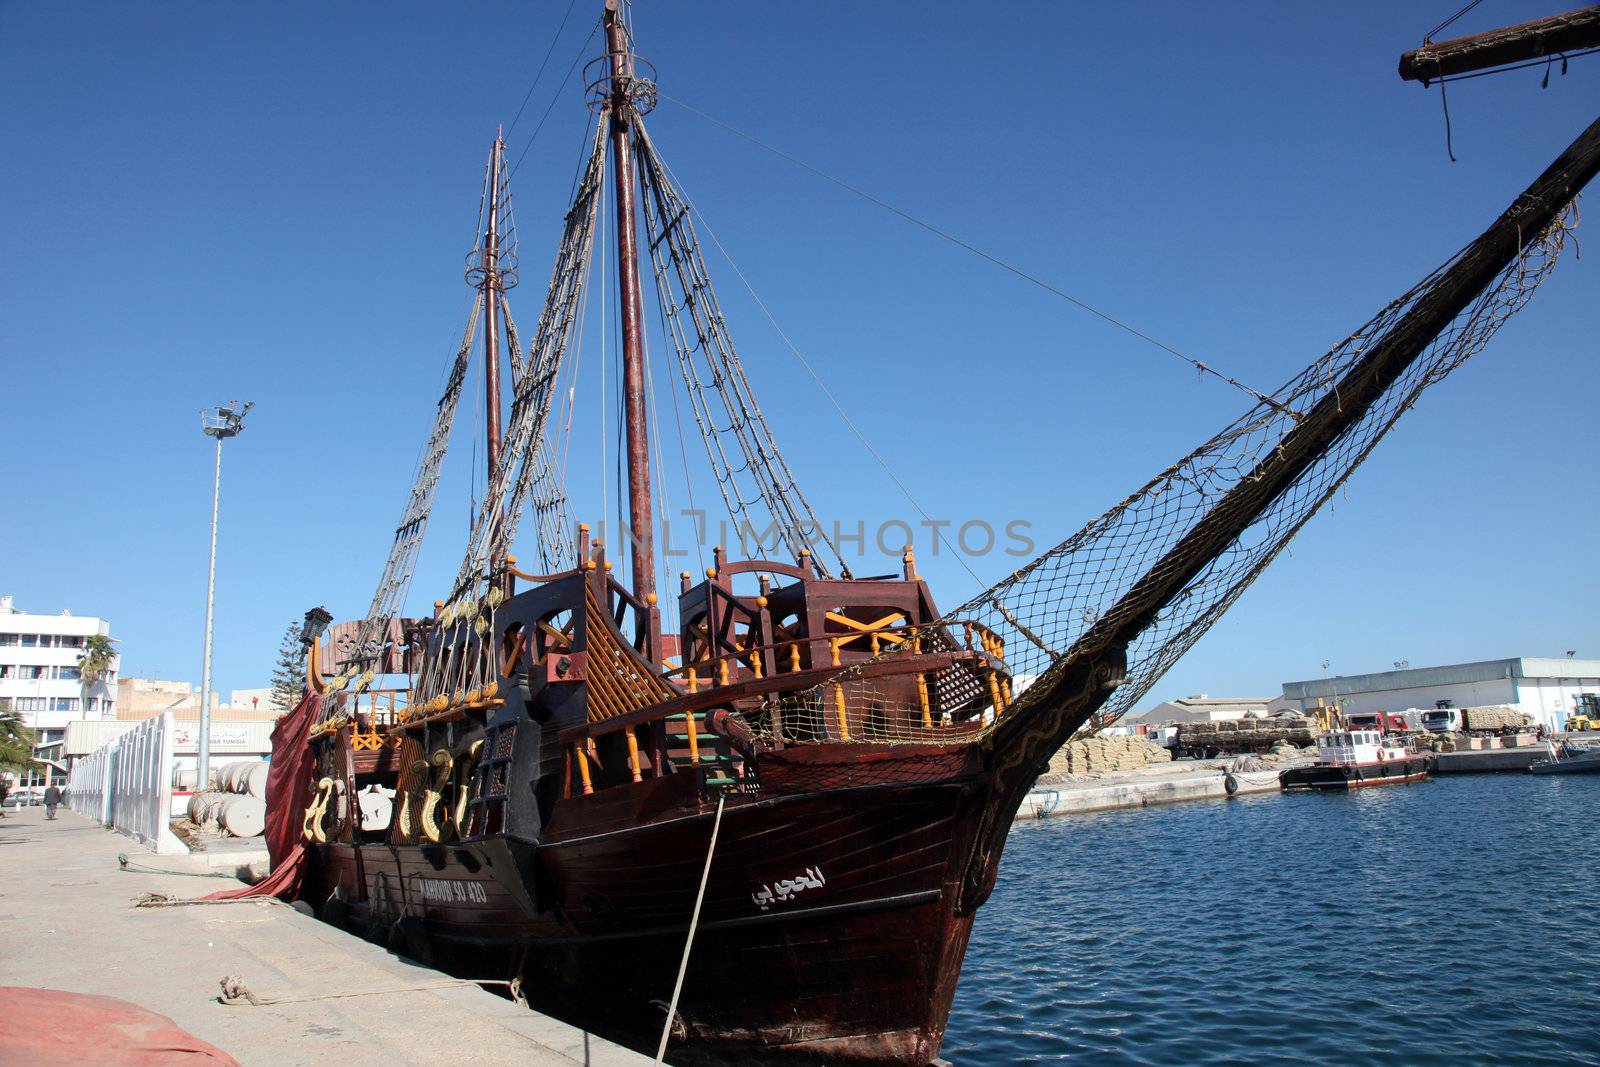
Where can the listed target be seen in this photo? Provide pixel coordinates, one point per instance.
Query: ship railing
(801, 656)
(374, 713)
(619, 600)
(369, 713)
(767, 673)
(929, 652)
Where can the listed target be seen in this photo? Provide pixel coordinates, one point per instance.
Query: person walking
(52, 797)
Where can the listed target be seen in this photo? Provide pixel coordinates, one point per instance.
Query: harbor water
(1448, 921)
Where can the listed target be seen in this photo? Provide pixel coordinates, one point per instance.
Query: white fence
(127, 784)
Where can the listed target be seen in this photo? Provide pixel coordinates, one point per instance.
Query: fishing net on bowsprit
(1154, 572)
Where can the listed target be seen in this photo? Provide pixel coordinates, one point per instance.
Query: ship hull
(1344, 777)
(832, 928)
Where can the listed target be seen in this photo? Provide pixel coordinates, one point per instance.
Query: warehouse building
(1548, 690)
(1201, 707)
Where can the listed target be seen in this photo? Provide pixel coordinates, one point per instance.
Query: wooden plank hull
(831, 929)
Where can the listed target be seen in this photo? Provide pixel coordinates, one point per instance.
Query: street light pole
(221, 423)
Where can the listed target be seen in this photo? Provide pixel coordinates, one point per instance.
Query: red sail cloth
(54, 1028)
(288, 786)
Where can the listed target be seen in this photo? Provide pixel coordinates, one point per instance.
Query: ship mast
(489, 284)
(642, 540)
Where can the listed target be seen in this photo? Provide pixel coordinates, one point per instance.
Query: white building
(1546, 689)
(1203, 708)
(39, 668)
(241, 740)
(39, 672)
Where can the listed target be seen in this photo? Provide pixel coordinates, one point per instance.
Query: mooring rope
(235, 992)
(127, 866)
(694, 924)
(165, 900)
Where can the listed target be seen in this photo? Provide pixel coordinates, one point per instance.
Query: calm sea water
(1449, 921)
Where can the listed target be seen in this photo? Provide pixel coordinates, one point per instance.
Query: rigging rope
(1447, 22)
(555, 39)
(1152, 574)
(728, 414)
(539, 481)
(1199, 365)
(507, 493)
(389, 597)
(936, 527)
(683, 446)
(583, 50)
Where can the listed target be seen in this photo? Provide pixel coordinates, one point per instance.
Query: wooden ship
(766, 836)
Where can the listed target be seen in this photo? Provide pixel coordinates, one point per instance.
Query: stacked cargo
(1246, 735)
(1492, 719)
(1094, 755)
(238, 805)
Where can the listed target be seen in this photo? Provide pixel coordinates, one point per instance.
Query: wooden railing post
(583, 768)
(633, 755)
(694, 740)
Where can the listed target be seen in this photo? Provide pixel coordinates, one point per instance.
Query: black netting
(1161, 566)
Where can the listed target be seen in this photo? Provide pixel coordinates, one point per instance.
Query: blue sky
(272, 203)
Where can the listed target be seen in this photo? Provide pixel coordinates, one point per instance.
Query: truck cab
(1442, 720)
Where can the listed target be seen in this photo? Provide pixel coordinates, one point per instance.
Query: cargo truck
(1481, 721)
(1387, 722)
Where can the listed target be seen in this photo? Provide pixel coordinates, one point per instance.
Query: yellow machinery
(1328, 716)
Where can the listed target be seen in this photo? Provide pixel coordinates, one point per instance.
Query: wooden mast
(1075, 687)
(1572, 31)
(489, 285)
(642, 536)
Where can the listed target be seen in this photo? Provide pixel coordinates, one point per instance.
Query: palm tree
(16, 740)
(93, 663)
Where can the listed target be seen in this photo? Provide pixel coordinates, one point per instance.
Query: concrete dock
(1158, 783)
(68, 922)
(1171, 783)
(1489, 760)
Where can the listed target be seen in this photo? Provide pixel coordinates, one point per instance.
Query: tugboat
(1351, 759)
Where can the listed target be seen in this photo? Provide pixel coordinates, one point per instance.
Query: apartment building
(39, 675)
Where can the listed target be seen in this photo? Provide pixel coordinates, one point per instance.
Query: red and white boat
(1350, 759)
